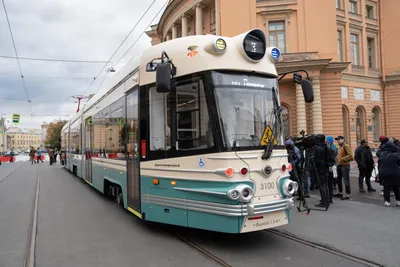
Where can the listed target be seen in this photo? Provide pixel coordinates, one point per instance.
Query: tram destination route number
(267, 186)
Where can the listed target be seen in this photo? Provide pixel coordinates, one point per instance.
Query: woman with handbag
(389, 172)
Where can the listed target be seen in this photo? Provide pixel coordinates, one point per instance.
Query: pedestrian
(51, 155)
(294, 156)
(365, 162)
(32, 155)
(333, 169)
(39, 155)
(55, 155)
(321, 158)
(344, 158)
(389, 172)
(11, 155)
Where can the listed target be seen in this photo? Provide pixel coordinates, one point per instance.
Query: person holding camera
(294, 155)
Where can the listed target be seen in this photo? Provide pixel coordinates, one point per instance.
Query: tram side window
(132, 124)
(160, 132)
(99, 131)
(116, 130)
(75, 140)
(193, 122)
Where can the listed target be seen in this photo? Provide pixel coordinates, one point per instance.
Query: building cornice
(309, 65)
(335, 67)
(360, 78)
(391, 79)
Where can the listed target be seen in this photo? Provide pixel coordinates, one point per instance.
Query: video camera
(305, 142)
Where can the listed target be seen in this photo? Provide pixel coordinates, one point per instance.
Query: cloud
(73, 29)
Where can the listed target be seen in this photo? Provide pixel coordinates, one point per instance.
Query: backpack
(330, 156)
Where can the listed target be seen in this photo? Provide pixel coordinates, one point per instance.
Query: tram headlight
(233, 194)
(246, 193)
(289, 187)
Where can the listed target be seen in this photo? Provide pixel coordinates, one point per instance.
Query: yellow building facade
(24, 139)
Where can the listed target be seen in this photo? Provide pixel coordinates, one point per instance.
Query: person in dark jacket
(389, 172)
(294, 156)
(383, 140)
(322, 169)
(365, 162)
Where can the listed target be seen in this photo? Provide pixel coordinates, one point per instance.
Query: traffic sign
(267, 136)
(15, 118)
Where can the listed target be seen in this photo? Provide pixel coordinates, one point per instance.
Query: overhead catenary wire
(56, 60)
(134, 27)
(48, 77)
(16, 54)
(137, 39)
(142, 33)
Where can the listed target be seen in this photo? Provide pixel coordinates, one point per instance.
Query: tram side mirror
(308, 91)
(163, 77)
(151, 67)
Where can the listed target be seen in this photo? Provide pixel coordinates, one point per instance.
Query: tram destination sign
(242, 80)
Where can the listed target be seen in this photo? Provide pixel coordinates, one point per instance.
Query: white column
(300, 110)
(316, 107)
(217, 24)
(199, 19)
(184, 25)
(168, 36)
(174, 32)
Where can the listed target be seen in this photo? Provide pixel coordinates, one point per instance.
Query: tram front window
(245, 105)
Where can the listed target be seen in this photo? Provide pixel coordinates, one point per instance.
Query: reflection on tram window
(160, 132)
(194, 131)
(109, 131)
(75, 146)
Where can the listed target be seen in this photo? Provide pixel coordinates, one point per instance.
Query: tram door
(88, 149)
(132, 112)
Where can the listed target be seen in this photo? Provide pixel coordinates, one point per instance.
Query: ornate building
(348, 47)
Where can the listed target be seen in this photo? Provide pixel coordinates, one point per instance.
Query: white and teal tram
(189, 135)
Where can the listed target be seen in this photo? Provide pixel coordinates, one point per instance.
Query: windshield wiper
(277, 124)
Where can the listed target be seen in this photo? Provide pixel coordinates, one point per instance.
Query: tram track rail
(10, 174)
(326, 248)
(200, 250)
(29, 259)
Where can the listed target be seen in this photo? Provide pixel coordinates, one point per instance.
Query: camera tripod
(309, 164)
(322, 183)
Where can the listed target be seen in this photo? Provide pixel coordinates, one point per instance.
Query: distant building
(24, 139)
(44, 127)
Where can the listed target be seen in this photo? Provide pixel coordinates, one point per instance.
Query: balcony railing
(360, 70)
(374, 72)
(355, 16)
(299, 56)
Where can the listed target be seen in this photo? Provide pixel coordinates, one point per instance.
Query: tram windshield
(246, 107)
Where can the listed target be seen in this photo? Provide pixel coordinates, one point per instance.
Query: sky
(89, 30)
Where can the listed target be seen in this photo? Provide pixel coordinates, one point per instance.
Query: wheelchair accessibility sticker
(202, 163)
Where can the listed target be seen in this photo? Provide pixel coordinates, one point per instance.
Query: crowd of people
(331, 164)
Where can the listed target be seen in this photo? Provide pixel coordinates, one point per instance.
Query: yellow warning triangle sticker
(267, 136)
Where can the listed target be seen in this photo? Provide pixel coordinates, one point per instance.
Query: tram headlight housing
(242, 193)
(233, 194)
(252, 44)
(289, 187)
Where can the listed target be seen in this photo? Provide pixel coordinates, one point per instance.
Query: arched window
(360, 123)
(285, 121)
(345, 121)
(376, 123)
